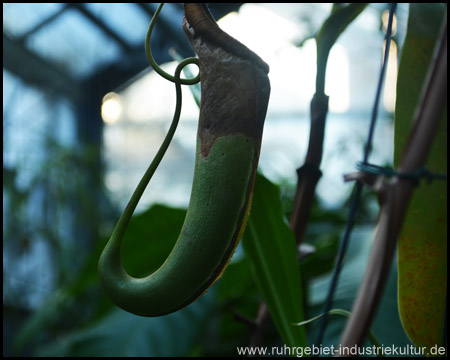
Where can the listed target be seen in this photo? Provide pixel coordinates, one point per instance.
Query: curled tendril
(176, 78)
(155, 66)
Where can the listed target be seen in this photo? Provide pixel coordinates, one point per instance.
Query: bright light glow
(111, 108)
(390, 88)
(385, 20)
(151, 98)
(250, 26)
(292, 69)
(337, 85)
(292, 78)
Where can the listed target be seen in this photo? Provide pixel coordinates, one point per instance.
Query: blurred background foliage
(69, 168)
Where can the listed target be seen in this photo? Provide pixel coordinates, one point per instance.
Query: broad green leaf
(150, 238)
(123, 334)
(422, 248)
(270, 245)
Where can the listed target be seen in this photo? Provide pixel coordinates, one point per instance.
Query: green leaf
(422, 248)
(123, 334)
(270, 245)
(149, 239)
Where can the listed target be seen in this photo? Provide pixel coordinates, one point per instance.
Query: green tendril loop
(156, 67)
(128, 212)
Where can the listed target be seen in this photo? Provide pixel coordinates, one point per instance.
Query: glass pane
(19, 18)
(128, 20)
(74, 41)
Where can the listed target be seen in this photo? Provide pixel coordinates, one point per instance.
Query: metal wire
(358, 185)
